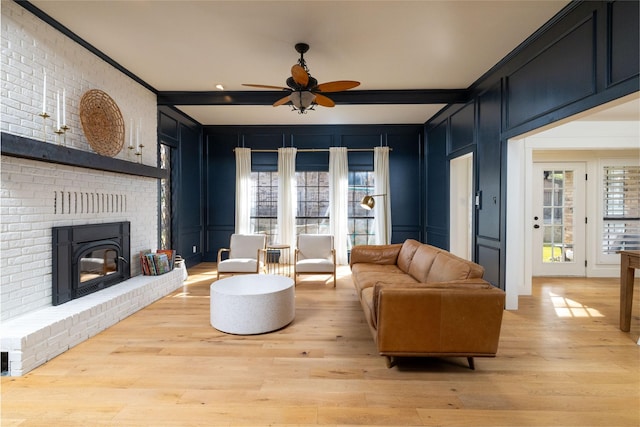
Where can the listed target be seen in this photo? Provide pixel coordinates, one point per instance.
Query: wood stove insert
(88, 258)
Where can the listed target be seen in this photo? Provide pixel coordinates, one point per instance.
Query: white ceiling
(194, 45)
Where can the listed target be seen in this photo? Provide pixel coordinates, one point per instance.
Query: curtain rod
(311, 150)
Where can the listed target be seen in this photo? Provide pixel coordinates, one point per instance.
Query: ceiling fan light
(302, 99)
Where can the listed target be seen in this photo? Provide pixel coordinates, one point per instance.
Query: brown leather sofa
(423, 301)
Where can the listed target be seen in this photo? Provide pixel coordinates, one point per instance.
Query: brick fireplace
(48, 182)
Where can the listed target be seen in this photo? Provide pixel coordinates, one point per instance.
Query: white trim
(515, 283)
(578, 141)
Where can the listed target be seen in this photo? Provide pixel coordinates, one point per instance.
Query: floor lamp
(368, 203)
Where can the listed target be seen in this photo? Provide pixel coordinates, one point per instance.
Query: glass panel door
(165, 198)
(559, 219)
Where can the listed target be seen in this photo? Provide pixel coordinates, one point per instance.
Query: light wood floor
(562, 361)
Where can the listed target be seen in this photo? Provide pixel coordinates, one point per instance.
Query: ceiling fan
(304, 90)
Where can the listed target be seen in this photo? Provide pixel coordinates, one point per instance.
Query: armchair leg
(472, 364)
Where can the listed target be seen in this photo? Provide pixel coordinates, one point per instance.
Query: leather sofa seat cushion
(367, 275)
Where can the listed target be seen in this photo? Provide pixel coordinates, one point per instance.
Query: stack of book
(159, 262)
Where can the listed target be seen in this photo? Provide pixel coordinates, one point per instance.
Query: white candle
(44, 92)
(131, 135)
(58, 110)
(64, 107)
(138, 137)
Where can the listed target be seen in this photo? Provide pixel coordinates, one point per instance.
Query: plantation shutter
(621, 209)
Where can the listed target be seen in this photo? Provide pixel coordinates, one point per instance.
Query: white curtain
(243, 190)
(287, 196)
(338, 201)
(382, 208)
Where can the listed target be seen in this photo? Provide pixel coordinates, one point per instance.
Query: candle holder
(60, 132)
(139, 153)
(131, 148)
(44, 116)
(65, 129)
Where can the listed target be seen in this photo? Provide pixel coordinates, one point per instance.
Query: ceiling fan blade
(281, 101)
(299, 75)
(266, 86)
(337, 86)
(324, 101)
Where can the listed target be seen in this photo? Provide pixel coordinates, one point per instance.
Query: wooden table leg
(626, 292)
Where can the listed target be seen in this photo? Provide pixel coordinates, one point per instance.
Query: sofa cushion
(408, 250)
(315, 246)
(366, 275)
(422, 262)
(238, 265)
(315, 266)
(447, 267)
(246, 245)
(375, 254)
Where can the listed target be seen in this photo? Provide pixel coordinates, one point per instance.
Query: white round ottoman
(252, 303)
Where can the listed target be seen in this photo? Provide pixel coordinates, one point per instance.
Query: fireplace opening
(88, 258)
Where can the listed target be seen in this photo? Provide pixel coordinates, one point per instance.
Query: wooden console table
(629, 261)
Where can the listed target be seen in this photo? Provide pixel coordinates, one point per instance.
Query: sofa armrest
(463, 318)
(375, 254)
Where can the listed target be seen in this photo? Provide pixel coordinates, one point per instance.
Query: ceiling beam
(419, 96)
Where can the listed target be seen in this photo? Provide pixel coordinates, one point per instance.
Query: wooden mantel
(27, 148)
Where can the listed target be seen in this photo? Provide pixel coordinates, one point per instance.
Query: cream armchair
(315, 254)
(246, 254)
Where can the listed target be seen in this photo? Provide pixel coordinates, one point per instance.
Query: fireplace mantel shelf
(27, 148)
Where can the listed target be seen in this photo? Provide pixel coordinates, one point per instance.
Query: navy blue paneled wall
(405, 163)
(586, 56)
(184, 138)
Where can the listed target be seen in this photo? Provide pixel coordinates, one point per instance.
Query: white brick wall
(35, 196)
(29, 47)
(38, 337)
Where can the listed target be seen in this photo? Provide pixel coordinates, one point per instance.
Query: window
(313, 205)
(361, 183)
(264, 210)
(165, 198)
(621, 209)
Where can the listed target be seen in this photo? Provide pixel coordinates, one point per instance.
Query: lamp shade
(367, 202)
(302, 99)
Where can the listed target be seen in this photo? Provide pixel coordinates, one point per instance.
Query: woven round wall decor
(102, 122)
